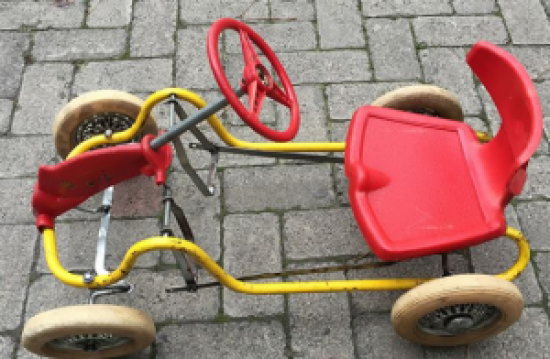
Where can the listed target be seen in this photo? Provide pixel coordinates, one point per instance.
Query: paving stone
(207, 11)
(446, 352)
(447, 68)
(17, 257)
(313, 121)
(44, 92)
(146, 75)
(192, 66)
(15, 206)
(326, 66)
(375, 338)
(339, 24)
(535, 223)
(528, 338)
(77, 241)
(78, 44)
(392, 49)
(246, 134)
(477, 124)
(41, 14)
(527, 24)
(137, 197)
(538, 179)
(12, 46)
(362, 302)
(543, 90)
(34, 150)
(498, 255)
(536, 59)
(47, 293)
(320, 322)
(322, 233)
(284, 187)
(459, 30)
(542, 260)
(109, 13)
(222, 340)
(286, 36)
(474, 6)
(149, 295)
(252, 245)
(292, 10)
(344, 99)
(405, 7)
(203, 213)
(153, 28)
(6, 107)
(6, 346)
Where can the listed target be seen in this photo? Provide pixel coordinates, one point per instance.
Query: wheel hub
(458, 319)
(89, 342)
(105, 123)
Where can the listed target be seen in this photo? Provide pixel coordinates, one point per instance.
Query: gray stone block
(232, 340)
(527, 24)
(80, 44)
(205, 12)
(326, 66)
(137, 197)
(35, 151)
(44, 92)
(42, 14)
(447, 68)
(17, 258)
(284, 187)
(252, 245)
(339, 24)
(292, 10)
(375, 338)
(153, 28)
(286, 36)
(446, 352)
(322, 233)
(6, 108)
(536, 59)
(149, 295)
(246, 134)
(7, 345)
(320, 322)
(392, 49)
(16, 204)
(77, 241)
(192, 67)
(474, 6)
(543, 89)
(535, 222)
(12, 46)
(542, 261)
(528, 338)
(109, 13)
(459, 30)
(344, 99)
(127, 75)
(538, 179)
(404, 7)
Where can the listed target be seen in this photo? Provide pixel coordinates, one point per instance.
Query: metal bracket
(120, 287)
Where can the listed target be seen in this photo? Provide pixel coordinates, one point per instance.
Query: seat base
(414, 189)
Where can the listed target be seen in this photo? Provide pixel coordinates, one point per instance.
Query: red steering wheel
(257, 83)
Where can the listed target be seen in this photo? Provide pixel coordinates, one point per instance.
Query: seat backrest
(514, 94)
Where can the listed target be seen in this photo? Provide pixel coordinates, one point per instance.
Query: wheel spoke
(278, 95)
(249, 54)
(256, 97)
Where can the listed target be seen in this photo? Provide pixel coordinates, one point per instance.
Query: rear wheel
(457, 310)
(88, 331)
(96, 113)
(423, 99)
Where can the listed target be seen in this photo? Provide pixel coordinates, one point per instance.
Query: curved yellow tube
(170, 243)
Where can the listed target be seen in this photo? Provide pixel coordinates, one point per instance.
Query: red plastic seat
(421, 185)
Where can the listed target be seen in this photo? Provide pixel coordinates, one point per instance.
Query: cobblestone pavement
(268, 215)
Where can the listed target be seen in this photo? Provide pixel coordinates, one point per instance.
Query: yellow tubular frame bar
(177, 244)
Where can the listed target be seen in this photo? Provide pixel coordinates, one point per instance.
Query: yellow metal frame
(177, 244)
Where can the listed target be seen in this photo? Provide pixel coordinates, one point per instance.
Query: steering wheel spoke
(250, 56)
(256, 96)
(277, 94)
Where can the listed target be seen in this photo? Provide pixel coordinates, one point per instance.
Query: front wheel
(88, 331)
(457, 310)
